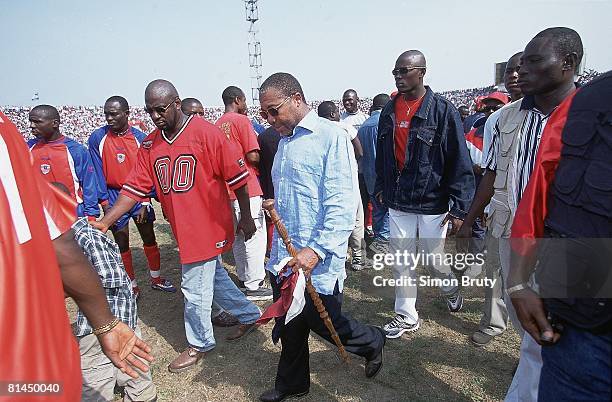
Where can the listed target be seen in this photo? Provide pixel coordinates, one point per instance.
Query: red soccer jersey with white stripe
(67, 162)
(118, 157)
(113, 157)
(36, 341)
(189, 174)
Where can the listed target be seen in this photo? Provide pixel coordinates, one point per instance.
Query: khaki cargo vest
(502, 204)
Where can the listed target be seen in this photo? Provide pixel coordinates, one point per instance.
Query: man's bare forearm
(121, 206)
(521, 268)
(357, 147)
(81, 281)
(242, 195)
(483, 196)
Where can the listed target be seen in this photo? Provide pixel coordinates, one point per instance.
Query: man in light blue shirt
(316, 192)
(368, 135)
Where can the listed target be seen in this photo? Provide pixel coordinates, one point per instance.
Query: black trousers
(365, 197)
(293, 374)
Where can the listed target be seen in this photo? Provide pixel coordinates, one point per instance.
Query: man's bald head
(409, 71)
(379, 102)
(328, 110)
(161, 89)
(414, 58)
(45, 122)
(350, 101)
(230, 94)
(163, 105)
(47, 111)
(349, 92)
(191, 106)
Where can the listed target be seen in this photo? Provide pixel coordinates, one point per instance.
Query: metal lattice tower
(252, 16)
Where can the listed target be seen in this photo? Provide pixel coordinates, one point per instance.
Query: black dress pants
(293, 374)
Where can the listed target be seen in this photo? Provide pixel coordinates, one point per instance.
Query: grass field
(437, 363)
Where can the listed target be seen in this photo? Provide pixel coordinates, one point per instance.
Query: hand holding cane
(268, 205)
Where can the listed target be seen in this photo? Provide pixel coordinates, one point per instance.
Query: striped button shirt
(526, 150)
(103, 254)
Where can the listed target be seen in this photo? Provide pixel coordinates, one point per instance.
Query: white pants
(526, 380)
(356, 238)
(403, 227)
(504, 261)
(249, 256)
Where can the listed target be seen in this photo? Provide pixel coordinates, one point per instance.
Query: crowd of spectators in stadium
(79, 122)
(587, 75)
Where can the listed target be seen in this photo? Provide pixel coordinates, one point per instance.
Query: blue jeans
(204, 282)
(577, 368)
(477, 242)
(380, 219)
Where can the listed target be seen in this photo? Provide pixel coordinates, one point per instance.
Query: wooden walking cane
(268, 205)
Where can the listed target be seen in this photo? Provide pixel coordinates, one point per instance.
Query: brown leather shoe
(241, 331)
(225, 319)
(186, 360)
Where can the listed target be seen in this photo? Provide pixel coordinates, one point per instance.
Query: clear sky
(79, 52)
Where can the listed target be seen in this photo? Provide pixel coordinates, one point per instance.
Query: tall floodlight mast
(252, 16)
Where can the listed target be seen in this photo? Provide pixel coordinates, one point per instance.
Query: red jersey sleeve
(227, 159)
(59, 208)
(247, 136)
(139, 182)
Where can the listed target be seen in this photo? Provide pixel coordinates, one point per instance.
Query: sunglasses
(159, 109)
(405, 70)
(273, 111)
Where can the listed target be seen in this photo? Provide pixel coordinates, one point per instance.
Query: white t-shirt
(350, 130)
(355, 119)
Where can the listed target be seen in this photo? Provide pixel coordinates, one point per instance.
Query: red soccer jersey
(404, 111)
(68, 162)
(113, 157)
(36, 340)
(118, 157)
(238, 127)
(57, 164)
(190, 173)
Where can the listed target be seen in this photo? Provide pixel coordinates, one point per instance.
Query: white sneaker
(259, 294)
(398, 326)
(454, 302)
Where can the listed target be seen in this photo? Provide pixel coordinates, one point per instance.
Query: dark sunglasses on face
(273, 111)
(405, 70)
(159, 109)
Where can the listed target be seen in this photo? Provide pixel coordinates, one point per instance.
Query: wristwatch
(517, 288)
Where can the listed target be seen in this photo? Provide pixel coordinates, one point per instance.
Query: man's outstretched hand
(99, 225)
(123, 348)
